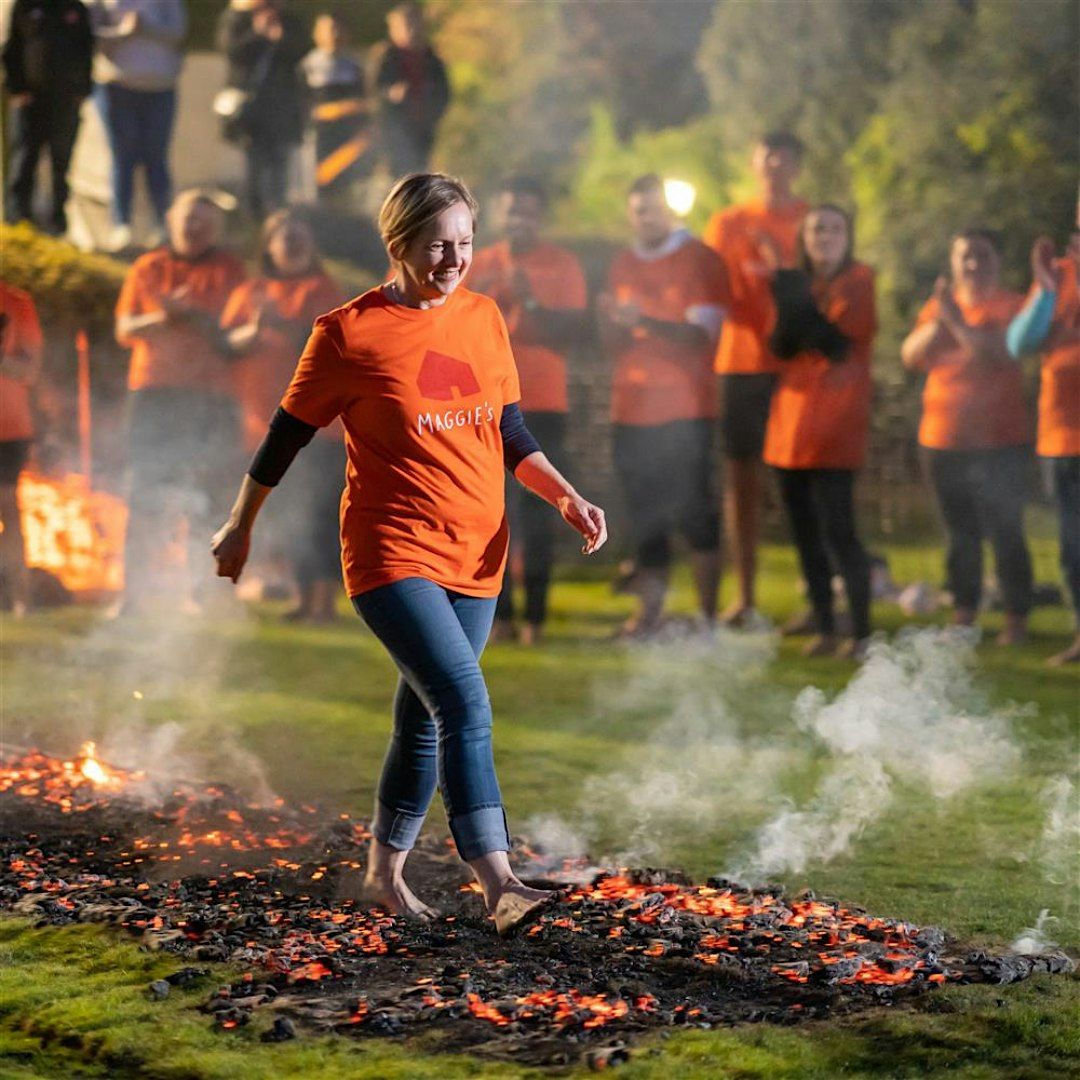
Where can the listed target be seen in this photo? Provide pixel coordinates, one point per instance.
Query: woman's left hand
(589, 520)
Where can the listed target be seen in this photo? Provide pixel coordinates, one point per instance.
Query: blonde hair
(415, 201)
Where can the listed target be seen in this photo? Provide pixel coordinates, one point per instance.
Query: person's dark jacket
(50, 49)
(267, 70)
(429, 88)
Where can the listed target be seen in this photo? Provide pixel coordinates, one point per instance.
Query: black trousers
(821, 508)
(1065, 472)
(532, 525)
(321, 469)
(46, 122)
(666, 474)
(981, 495)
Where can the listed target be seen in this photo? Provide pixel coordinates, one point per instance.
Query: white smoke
(727, 747)
(911, 716)
(1059, 844)
(1034, 939)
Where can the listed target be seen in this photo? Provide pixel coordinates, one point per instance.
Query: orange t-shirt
(971, 404)
(734, 235)
(261, 374)
(421, 394)
(1059, 387)
(658, 380)
(178, 355)
(21, 338)
(556, 280)
(820, 413)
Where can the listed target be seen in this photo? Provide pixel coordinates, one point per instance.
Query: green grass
(311, 706)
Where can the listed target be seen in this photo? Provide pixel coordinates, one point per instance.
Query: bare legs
(742, 510)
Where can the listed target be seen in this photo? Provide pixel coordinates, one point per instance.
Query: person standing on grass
(264, 43)
(47, 60)
(659, 319)
(975, 430)
(412, 90)
(135, 74)
(267, 320)
(747, 368)
(421, 373)
(540, 289)
(819, 420)
(20, 361)
(1050, 324)
(184, 427)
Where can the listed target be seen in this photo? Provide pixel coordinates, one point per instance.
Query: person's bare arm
(982, 344)
(232, 542)
(542, 478)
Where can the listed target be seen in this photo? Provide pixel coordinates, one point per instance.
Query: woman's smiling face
(440, 255)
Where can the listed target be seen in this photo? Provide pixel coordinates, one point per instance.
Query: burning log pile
(206, 876)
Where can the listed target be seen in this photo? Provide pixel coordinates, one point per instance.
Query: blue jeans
(442, 716)
(139, 125)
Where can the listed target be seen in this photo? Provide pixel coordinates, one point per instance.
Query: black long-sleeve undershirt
(287, 436)
(800, 325)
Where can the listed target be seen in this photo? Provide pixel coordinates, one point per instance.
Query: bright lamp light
(680, 196)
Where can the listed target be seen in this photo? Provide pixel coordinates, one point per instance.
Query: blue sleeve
(518, 441)
(1031, 325)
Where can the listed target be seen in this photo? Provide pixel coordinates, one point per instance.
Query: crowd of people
(281, 84)
(752, 343)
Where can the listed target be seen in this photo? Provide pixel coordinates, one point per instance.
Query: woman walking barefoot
(421, 373)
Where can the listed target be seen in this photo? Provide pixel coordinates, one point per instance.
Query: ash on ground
(210, 878)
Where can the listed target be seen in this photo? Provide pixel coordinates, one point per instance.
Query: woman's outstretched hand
(589, 520)
(230, 545)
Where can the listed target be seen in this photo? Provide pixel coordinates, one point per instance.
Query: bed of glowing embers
(201, 873)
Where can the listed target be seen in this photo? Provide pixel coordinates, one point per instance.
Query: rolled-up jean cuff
(480, 831)
(396, 828)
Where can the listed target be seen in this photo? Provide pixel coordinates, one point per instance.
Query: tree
(814, 67)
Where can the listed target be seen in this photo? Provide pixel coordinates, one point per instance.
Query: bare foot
(822, 645)
(738, 616)
(529, 634)
(1070, 656)
(1015, 632)
(501, 630)
(394, 896)
(802, 623)
(854, 649)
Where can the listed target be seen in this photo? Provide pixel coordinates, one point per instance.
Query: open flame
(73, 531)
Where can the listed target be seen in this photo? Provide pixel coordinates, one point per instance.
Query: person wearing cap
(184, 423)
(421, 373)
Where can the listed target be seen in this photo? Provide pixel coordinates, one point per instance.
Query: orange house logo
(441, 375)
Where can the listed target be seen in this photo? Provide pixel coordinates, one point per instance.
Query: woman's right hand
(230, 545)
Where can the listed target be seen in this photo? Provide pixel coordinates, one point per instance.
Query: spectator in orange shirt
(20, 360)
(747, 367)
(267, 321)
(975, 429)
(820, 415)
(421, 373)
(660, 317)
(1050, 324)
(184, 426)
(540, 289)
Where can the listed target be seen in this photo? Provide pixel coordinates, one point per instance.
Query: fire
(94, 771)
(73, 532)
